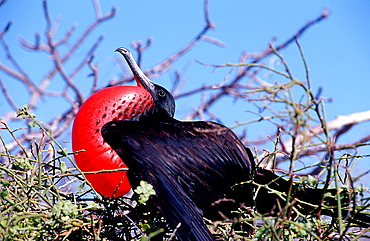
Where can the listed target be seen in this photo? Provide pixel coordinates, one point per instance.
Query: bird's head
(164, 103)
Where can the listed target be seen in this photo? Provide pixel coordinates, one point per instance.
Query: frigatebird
(194, 167)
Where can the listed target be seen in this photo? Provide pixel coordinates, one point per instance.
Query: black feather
(190, 164)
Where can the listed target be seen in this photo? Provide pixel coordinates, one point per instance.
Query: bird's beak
(141, 79)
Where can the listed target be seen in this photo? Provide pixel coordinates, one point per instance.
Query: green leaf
(63, 166)
(32, 123)
(63, 152)
(93, 205)
(145, 190)
(5, 182)
(65, 208)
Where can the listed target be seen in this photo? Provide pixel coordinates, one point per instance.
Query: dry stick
(177, 83)
(17, 141)
(46, 80)
(7, 96)
(137, 45)
(293, 155)
(341, 122)
(95, 74)
(97, 9)
(18, 72)
(328, 143)
(267, 52)
(88, 56)
(6, 28)
(165, 64)
(57, 61)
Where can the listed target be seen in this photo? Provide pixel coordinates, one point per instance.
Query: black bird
(193, 166)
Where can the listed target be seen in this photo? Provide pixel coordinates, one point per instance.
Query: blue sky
(337, 49)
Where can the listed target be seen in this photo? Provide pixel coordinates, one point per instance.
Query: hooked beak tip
(122, 50)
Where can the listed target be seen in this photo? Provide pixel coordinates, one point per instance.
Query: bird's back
(191, 165)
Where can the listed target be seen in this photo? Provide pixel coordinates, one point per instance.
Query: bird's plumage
(191, 165)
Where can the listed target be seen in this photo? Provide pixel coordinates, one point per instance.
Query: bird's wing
(190, 164)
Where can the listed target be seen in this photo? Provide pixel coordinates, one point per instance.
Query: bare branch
(97, 9)
(263, 54)
(336, 124)
(7, 97)
(164, 65)
(95, 74)
(6, 28)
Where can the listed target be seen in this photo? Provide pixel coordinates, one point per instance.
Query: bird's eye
(161, 93)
